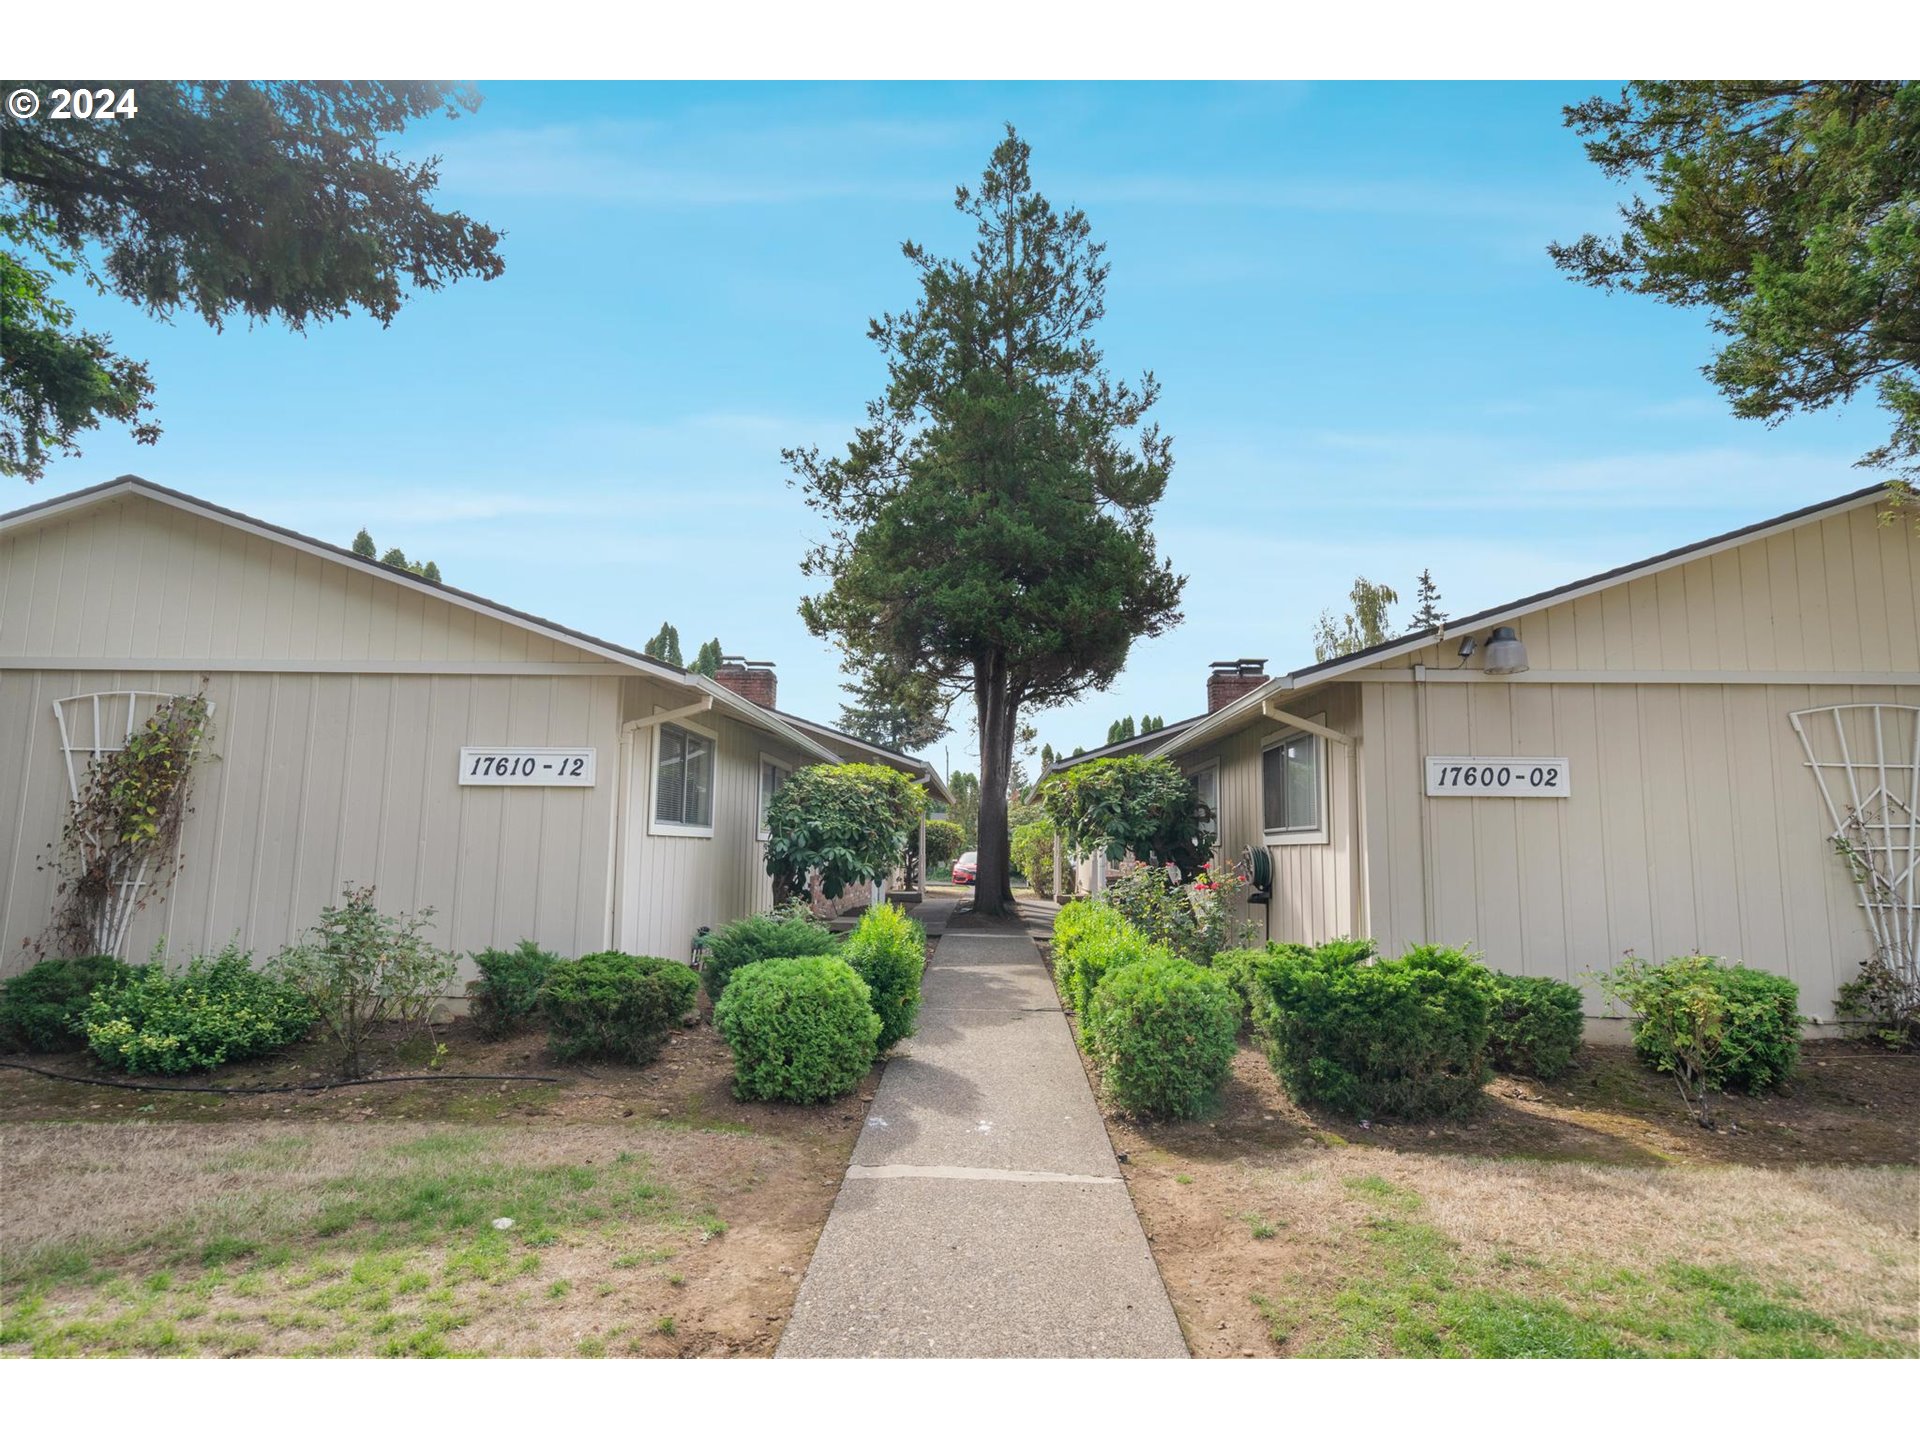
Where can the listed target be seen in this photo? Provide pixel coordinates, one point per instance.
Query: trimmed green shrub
(1163, 1031)
(1089, 939)
(845, 824)
(1243, 969)
(507, 994)
(801, 1029)
(1710, 1025)
(1405, 1037)
(610, 1006)
(945, 841)
(781, 935)
(888, 950)
(1536, 1024)
(45, 1009)
(216, 1010)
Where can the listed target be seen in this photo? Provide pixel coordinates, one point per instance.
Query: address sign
(526, 765)
(1517, 777)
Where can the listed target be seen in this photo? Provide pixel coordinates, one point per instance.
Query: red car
(965, 867)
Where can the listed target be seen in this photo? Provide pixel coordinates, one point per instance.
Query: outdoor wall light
(1506, 654)
(1467, 647)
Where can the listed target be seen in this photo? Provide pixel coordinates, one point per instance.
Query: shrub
(1195, 920)
(888, 950)
(1243, 969)
(1093, 942)
(781, 935)
(1710, 1025)
(45, 1008)
(1032, 855)
(1405, 1037)
(507, 994)
(362, 970)
(1130, 805)
(945, 841)
(1163, 1032)
(1535, 1024)
(846, 823)
(216, 1010)
(801, 1029)
(610, 1006)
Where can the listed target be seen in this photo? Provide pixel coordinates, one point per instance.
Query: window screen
(683, 784)
(1290, 784)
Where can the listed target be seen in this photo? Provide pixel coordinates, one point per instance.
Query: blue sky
(1370, 365)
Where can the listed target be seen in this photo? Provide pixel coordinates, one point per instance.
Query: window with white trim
(772, 776)
(683, 779)
(1291, 784)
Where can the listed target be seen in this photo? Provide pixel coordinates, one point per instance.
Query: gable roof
(1151, 741)
(1248, 706)
(723, 699)
(896, 758)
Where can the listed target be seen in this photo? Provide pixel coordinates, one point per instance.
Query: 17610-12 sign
(526, 765)
(1514, 777)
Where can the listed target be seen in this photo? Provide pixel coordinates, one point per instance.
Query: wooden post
(1056, 866)
(923, 857)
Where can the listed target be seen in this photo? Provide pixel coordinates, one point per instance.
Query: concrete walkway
(983, 1213)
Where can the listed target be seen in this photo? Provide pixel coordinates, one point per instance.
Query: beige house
(521, 779)
(1656, 759)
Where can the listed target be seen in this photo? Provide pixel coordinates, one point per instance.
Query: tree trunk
(996, 713)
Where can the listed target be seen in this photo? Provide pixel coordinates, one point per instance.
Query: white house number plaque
(526, 765)
(1513, 777)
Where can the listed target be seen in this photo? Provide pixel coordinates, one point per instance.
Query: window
(1206, 788)
(772, 776)
(1290, 784)
(683, 779)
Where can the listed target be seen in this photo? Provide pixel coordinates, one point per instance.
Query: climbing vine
(127, 815)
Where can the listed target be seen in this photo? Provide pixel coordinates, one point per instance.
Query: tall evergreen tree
(991, 520)
(265, 200)
(665, 645)
(1427, 614)
(1787, 210)
(707, 660)
(363, 545)
(901, 712)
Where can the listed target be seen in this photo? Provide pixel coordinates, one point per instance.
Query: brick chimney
(1230, 679)
(750, 679)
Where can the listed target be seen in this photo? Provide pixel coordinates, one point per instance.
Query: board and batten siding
(671, 885)
(321, 781)
(341, 700)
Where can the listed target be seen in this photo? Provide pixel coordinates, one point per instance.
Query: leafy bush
(781, 935)
(610, 1006)
(847, 823)
(1032, 856)
(1243, 969)
(1130, 805)
(1092, 943)
(507, 994)
(888, 950)
(1369, 1037)
(216, 1010)
(1196, 921)
(1163, 1032)
(1536, 1024)
(1710, 1025)
(801, 1029)
(945, 841)
(45, 1008)
(362, 970)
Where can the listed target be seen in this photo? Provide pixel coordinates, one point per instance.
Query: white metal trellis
(91, 726)
(1871, 752)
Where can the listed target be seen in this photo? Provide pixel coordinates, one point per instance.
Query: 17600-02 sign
(1517, 777)
(526, 765)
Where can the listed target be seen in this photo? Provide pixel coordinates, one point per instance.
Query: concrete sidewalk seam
(974, 1172)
